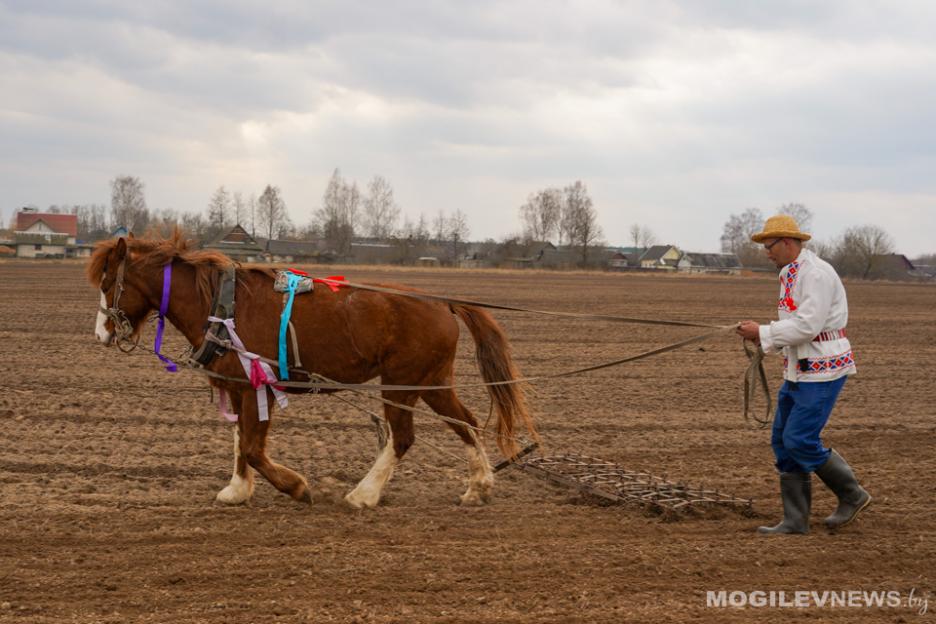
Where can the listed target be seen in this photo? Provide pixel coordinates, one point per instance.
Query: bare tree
(128, 203)
(194, 226)
(541, 213)
(736, 237)
(642, 236)
(579, 219)
(271, 212)
(338, 217)
(240, 209)
(252, 209)
(219, 208)
(858, 247)
(381, 212)
(92, 221)
(457, 231)
(412, 239)
(440, 226)
(800, 213)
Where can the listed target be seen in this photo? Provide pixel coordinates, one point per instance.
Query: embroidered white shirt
(812, 301)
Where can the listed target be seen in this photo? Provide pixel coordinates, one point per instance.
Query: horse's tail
(496, 364)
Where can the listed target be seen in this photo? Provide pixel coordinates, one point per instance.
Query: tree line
(851, 253)
(563, 215)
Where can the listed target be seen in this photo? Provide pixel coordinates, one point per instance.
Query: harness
(222, 309)
(123, 330)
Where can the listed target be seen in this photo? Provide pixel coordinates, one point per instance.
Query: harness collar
(222, 307)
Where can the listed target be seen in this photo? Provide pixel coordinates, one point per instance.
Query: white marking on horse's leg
(99, 330)
(480, 477)
(241, 487)
(367, 492)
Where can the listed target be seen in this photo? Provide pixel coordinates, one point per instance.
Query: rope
(755, 376)
(496, 306)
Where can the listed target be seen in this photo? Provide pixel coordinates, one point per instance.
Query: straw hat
(780, 226)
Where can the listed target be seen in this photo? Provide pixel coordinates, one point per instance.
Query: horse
(345, 334)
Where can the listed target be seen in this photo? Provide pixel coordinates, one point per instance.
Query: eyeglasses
(771, 245)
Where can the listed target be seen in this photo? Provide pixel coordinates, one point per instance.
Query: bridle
(123, 329)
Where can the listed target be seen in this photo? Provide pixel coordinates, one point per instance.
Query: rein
(222, 339)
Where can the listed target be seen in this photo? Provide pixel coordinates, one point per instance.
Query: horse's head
(124, 304)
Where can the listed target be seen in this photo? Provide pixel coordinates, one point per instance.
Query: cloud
(674, 114)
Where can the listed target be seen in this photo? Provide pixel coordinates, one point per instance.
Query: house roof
(885, 265)
(58, 223)
(713, 260)
(656, 252)
(237, 241)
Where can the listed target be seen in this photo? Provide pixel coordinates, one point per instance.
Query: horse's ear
(120, 251)
(130, 235)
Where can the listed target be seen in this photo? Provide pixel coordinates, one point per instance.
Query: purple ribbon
(163, 308)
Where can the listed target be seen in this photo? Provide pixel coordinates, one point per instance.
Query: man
(817, 360)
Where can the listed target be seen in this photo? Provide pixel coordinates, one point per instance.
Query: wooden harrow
(617, 485)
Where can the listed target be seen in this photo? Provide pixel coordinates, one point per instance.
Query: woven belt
(826, 336)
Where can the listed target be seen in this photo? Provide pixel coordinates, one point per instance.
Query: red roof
(60, 223)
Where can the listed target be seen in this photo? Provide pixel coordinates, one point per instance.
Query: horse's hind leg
(480, 475)
(367, 493)
(253, 434)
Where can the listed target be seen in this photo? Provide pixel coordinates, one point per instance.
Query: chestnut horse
(349, 336)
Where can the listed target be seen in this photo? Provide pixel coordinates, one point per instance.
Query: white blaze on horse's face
(100, 329)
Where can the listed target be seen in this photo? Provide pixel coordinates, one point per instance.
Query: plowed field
(109, 467)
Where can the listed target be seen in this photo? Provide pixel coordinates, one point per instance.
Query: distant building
(292, 251)
(664, 257)
(693, 262)
(624, 258)
(892, 267)
(47, 235)
(238, 245)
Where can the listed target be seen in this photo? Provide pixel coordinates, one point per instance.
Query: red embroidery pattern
(786, 301)
(831, 363)
(828, 364)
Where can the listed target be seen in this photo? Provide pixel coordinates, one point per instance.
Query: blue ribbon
(292, 280)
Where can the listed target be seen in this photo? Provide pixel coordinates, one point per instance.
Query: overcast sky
(674, 114)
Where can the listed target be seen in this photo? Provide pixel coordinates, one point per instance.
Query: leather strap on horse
(222, 306)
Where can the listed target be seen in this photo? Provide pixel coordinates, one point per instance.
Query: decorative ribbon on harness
(163, 308)
(258, 372)
(292, 280)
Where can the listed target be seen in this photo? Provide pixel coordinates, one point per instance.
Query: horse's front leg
(240, 489)
(251, 452)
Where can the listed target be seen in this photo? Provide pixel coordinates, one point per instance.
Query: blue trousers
(803, 409)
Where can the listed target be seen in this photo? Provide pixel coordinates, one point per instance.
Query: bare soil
(109, 467)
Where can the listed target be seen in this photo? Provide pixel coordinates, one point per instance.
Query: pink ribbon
(258, 372)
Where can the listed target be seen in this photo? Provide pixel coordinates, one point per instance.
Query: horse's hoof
(473, 499)
(359, 502)
(232, 496)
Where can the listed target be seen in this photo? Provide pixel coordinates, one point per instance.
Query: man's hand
(749, 330)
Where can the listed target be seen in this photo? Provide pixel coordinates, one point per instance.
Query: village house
(47, 235)
(663, 257)
(300, 252)
(238, 245)
(694, 262)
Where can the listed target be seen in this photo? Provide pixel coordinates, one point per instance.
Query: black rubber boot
(796, 492)
(852, 498)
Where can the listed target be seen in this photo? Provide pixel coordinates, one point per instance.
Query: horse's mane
(157, 252)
